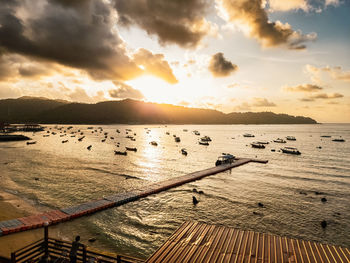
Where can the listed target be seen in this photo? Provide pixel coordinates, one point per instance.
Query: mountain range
(128, 111)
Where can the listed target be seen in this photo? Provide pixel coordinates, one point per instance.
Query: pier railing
(55, 250)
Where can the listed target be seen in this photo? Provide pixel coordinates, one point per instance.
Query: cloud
(81, 35)
(287, 5)
(220, 67)
(262, 102)
(304, 88)
(155, 64)
(336, 73)
(178, 22)
(323, 96)
(252, 15)
(125, 91)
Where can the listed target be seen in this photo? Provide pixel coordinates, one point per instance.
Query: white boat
(279, 140)
(291, 138)
(201, 142)
(248, 135)
(258, 145)
(290, 150)
(225, 158)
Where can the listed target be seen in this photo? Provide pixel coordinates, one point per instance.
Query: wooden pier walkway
(61, 215)
(196, 242)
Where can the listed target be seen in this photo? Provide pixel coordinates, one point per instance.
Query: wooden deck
(197, 242)
(61, 215)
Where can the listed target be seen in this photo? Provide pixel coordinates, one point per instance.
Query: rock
(324, 224)
(324, 199)
(200, 192)
(92, 239)
(260, 204)
(194, 190)
(194, 200)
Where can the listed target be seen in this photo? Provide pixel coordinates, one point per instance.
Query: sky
(284, 56)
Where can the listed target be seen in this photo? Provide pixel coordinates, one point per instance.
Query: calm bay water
(55, 175)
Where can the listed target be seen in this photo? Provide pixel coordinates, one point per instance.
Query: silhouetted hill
(42, 110)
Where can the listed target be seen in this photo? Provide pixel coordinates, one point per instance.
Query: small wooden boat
(131, 149)
(291, 138)
(89, 147)
(338, 140)
(81, 138)
(177, 139)
(206, 139)
(120, 153)
(184, 151)
(203, 143)
(154, 143)
(257, 145)
(248, 135)
(279, 140)
(290, 150)
(64, 141)
(33, 142)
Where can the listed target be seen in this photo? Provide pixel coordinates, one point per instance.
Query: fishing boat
(257, 145)
(64, 141)
(291, 138)
(262, 142)
(279, 140)
(131, 149)
(177, 139)
(89, 147)
(120, 153)
(225, 158)
(167, 133)
(11, 137)
(338, 140)
(184, 151)
(33, 142)
(248, 135)
(290, 150)
(154, 143)
(203, 143)
(196, 132)
(206, 139)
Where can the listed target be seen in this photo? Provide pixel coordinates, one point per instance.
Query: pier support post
(46, 240)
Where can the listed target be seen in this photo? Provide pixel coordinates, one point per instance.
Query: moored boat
(290, 150)
(131, 149)
(248, 135)
(291, 138)
(206, 139)
(154, 143)
(338, 140)
(184, 151)
(120, 153)
(257, 145)
(225, 158)
(32, 142)
(177, 139)
(201, 142)
(279, 140)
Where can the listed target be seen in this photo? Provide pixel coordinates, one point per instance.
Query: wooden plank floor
(68, 213)
(198, 242)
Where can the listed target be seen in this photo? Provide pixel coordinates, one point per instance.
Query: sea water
(51, 174)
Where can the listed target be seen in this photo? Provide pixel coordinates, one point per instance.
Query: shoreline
(12, 206)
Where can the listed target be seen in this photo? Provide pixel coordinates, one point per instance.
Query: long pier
(68, 213)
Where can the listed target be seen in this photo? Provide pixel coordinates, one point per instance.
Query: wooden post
(119, 259)
(46, 240)
(84, 254)
(13, 257)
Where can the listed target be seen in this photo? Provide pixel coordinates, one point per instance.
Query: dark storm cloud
(181, 21)
(220, 67)
(81, 37)
(125, 91)
(252, 14)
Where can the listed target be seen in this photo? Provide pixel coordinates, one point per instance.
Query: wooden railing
(55, 250)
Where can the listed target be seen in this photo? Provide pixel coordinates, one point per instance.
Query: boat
(177, 139)
(257, 145)
(131, 149)
(248, 135)
(206, 139)
(167, 133)
(118, 131)
(120, 153)
(196, 132)
(279, 140)
(154, 143)
(290, 150)
(64, 141)
(81, 138)
(184, 151)
(338, 140)
(225, 158)
(203, 143)
(262, 142)
(185, 130)
(33, 142)
(326, 136)
(89, 147)
(291, 138)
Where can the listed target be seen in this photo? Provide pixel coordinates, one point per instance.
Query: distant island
(128, 111)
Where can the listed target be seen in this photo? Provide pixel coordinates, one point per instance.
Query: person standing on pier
(74, 249)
